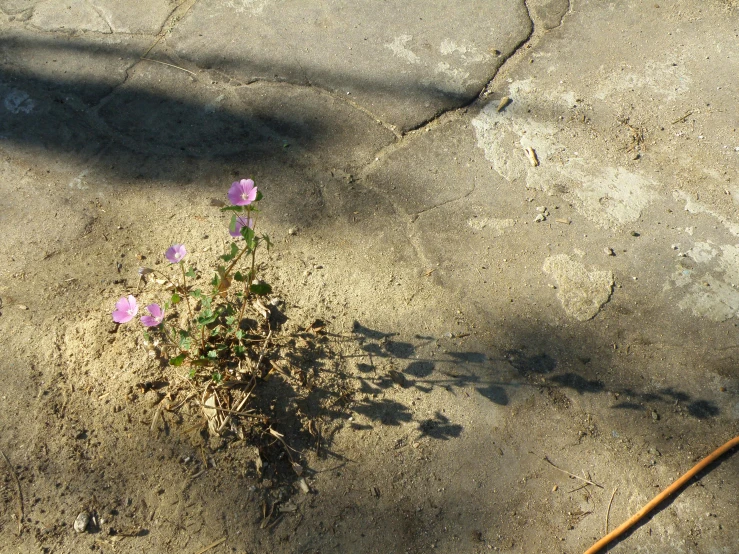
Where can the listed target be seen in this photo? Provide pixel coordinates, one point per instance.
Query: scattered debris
(531, 153)
(503, 103)
(80, 523)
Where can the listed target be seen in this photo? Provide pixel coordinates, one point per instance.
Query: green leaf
(212, 354)
(234, 249)
(238, 276)
(175, 299)
(238, 209)
(147, 337)
(239, 334)
(215, 281)
(260, 289)
(267, 240)
(185, 340)
(177, 361)
(197, 293)
(239, 349)
(217, 377)
(200, 362)
(207, 319)
(259, 196)
(192, 373)
(190, 273)
(248, 235)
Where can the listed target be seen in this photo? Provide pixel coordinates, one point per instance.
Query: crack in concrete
(565, 14)
(101, 15)
(170, 23)
(414, 215)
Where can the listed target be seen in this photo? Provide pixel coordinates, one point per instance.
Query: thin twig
(578, 488)
(661, 497)
(547, 460)
(170, 65)
(227, 411)
(683, 118)
(211, 545)
(20, 493)
(608, 512)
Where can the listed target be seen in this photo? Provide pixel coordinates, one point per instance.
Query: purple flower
(125, 309)
(175, 253)
(156, 317)
(242, 193)
(239, 223)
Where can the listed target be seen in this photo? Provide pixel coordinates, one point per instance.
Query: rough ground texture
(555, 278)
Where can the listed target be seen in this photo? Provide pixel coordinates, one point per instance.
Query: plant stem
(185, 293)
(238, 257)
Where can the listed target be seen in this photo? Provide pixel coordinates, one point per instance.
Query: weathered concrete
(555, 275)
(403, 65)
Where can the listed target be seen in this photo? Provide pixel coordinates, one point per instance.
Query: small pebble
(292, 231)
(609, 251)
(541, 209)
(539, 218)
(80, 524)
(303, 486)
(22, 307)
(554, 488)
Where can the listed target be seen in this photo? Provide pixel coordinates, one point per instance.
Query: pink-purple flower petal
(156, 317)
(242, 193)
(125, 309)
(239, 223)
(175, 253)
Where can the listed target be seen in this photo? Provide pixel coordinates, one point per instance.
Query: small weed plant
(202, 328)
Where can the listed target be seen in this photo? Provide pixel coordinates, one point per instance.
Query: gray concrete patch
(17, 6)
(402, 65)
(582, 293)
(74, 15)
(123, 16)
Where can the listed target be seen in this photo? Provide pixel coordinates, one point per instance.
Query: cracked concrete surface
(553, 275)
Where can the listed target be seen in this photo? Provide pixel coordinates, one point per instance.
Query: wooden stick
(20, 493)
(657, 500)
(571, 474)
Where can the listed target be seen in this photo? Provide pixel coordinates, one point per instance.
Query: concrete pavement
(553, 273)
